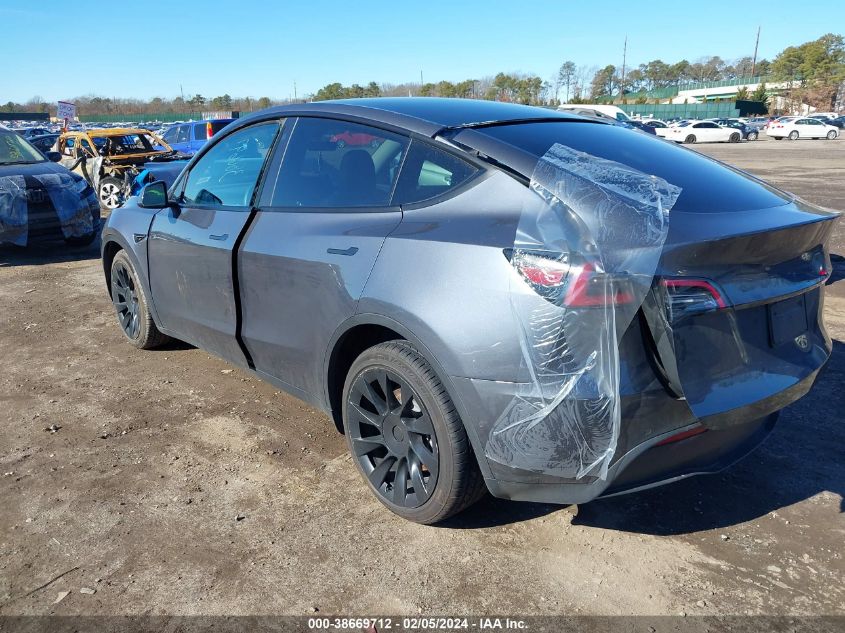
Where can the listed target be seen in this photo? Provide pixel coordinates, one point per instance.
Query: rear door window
(200, 133)
(429, 172)
(338, 164)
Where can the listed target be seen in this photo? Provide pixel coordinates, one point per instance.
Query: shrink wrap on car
(75, 204)
(74, 201)
(586, 250)
(13, 210)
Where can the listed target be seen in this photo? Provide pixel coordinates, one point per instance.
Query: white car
(702, 132)
(660, 128)
(796, 128)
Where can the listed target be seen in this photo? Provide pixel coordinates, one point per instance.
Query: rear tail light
(574, 284)
(691, 296)
(209, 132)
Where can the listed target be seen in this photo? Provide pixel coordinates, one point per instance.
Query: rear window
(706, 185)
(429, 172)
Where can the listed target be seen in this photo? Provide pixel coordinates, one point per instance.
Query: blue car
(190, 137)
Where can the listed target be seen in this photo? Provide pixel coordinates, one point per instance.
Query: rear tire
(793, 135)
(735, 137)
(130, 303)
(831, 135)
(690, 139)
(401, 426)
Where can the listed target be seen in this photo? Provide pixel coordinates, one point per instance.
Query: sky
(58, 49)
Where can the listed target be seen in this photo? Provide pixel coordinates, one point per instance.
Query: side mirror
(154, 196)
(54, 157)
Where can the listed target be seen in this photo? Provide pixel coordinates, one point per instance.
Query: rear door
(191, 245)
(305, 260)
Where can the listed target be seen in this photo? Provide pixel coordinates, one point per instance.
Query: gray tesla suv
(485, 296)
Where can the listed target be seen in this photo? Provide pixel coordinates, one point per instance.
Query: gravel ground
(175, 484)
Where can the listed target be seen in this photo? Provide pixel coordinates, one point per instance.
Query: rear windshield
(707, 186)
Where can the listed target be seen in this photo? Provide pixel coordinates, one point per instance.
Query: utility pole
(294, 90)
(756, 44)
(421, 79)
(182, 92)
(624, 59)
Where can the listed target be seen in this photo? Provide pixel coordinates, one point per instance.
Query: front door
(191, 245)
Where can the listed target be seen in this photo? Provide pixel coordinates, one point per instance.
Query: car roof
(424, 115)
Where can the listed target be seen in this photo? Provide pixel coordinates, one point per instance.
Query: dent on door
(301, 275)
(191, 277)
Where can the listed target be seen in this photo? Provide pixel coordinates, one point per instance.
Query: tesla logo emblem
(802, 342)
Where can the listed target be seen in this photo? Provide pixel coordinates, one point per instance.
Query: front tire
(752, 136)
(130, 304)
(406, 437)
(690, 139)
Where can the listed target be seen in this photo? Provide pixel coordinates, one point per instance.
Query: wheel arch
(347, 344)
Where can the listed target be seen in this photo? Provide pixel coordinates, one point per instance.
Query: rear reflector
(682, 435)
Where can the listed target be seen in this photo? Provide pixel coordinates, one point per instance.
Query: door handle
(339, 251)
(220, 238)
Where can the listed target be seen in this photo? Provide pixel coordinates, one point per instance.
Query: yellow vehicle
(110, 158)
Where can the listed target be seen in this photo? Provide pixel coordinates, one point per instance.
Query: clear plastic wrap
(74, 202)
(13, 210)
(72, 199)
(586, 250)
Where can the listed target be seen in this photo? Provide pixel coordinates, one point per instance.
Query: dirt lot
(176, 485)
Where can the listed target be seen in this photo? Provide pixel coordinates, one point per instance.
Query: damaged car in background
(40, 199)
(112, 159)
(485, 295)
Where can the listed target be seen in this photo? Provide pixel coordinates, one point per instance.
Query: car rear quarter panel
(443, 275)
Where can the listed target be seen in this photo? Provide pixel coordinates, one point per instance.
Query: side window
(182, 133)
(338, 164)
(68, 143)
(86, 145)
(200, 132)
(170, 134)
(429, 172)
(227, 174)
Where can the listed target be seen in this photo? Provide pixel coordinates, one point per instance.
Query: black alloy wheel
(392, 437)
(125, 300)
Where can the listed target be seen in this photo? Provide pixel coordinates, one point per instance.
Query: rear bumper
(729, 437)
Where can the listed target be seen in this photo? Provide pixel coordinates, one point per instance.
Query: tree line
(814, 70)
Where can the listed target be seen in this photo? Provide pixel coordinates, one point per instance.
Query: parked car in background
(45, 142)
(638, 125)
(355, 139)
(40, 200)
(703, 132)
(378, 283)
(189, 138)
(593, 109)
(748, 133)
(31, 132)
(838, 122)
(110, 158)
(757, 122)
(795, 128)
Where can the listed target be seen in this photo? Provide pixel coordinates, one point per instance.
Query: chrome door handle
(221, 238)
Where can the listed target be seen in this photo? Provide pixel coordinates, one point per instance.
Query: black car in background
(43, 143)
(40, 200)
